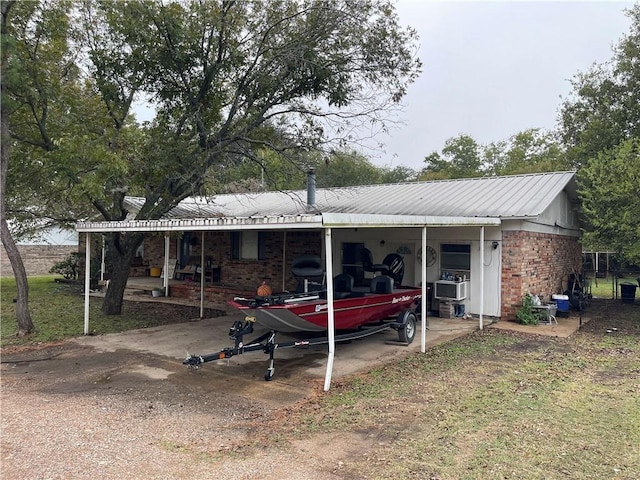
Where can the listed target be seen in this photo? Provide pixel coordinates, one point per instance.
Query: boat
(358, 312)
(308, 311)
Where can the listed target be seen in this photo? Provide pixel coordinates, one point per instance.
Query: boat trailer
(404, 323)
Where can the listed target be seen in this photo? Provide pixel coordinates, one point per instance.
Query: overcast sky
(492, 69)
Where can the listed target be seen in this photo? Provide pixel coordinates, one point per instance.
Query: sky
(493, 69)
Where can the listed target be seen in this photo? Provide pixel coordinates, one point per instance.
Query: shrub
(527, 314)
(68, 267)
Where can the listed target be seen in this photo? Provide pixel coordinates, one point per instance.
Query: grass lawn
(490, 405)
(57, 311)
(604, 287)
(496, 405)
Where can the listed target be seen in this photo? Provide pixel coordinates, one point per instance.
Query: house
(504, 236)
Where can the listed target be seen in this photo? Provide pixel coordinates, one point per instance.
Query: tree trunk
(122, 249)
(25, 324)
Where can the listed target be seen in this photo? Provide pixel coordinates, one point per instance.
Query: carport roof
(469, 201)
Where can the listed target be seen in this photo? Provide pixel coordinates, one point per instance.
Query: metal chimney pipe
(311, 190)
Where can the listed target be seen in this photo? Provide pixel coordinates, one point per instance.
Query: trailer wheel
(268, 375)
(407, 329)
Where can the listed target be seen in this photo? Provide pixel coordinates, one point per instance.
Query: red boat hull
(310, 313)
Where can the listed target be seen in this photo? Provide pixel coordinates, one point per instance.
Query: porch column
(423, 275)
(87, 281)
(330, 311)
(165, 279)
(481, 323)
(202, 276)
(102, 265)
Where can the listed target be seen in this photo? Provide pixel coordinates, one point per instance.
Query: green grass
(57, 311)
(496, 405)
(603, 287)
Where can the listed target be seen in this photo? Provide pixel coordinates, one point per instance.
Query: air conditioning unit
(447, 290)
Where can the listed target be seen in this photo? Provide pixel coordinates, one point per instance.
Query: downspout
(87, 281)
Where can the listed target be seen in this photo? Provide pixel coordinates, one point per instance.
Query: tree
(610, 195)
(461, 157)
(529, 151)
(600, 125)
(25, 323)
(223, 76)
(604, 108)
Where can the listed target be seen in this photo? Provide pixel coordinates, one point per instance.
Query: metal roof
(516, 196)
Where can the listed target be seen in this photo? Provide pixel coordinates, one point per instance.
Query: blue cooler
(562, 301)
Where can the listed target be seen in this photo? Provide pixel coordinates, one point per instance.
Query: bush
(68, 267)
(527, 314)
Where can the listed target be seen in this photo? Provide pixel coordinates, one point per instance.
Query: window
(455, 257)
(247, 245)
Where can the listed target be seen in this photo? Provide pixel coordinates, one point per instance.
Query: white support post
(202, 276)
(87, 281)
(481, 322)
(330, 311)
(165, 278)
(284, 260)
(423, 270)
(102, 265)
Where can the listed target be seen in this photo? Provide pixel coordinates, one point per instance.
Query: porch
(181, 292)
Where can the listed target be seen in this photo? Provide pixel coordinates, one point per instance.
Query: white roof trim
(347, 220)
(325, 220)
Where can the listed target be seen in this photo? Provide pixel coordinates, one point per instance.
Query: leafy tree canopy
(600, 124)
(228, 79)
(529, 151)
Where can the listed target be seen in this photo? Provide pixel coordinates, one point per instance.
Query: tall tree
(529, 151)
(600, 125)
(604, 108)
(610, 195)
(25, 323)
(461, 157)
(223, 76)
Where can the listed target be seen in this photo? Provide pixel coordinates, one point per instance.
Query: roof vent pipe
(311, 190)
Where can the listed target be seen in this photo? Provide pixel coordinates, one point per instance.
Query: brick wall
(537, 263)
(245, 274)
(38, 259)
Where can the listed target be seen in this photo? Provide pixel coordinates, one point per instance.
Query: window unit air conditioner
(447, 290)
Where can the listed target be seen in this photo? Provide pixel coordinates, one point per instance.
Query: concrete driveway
(210, 335)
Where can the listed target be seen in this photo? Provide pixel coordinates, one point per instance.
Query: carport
(327, 222)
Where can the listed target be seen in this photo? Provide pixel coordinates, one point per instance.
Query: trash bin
(628, 292)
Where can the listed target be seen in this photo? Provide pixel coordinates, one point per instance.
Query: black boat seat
(396, 267)
(310, 273)
(382, 284)
(342, 286)
(307, 266)
(369, 266)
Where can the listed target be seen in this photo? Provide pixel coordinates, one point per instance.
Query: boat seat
(342, 286)
(396, 267)
(382, 284)
(309, 271)
(369, 266)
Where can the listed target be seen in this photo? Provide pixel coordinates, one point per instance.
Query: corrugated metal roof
(516, 196)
